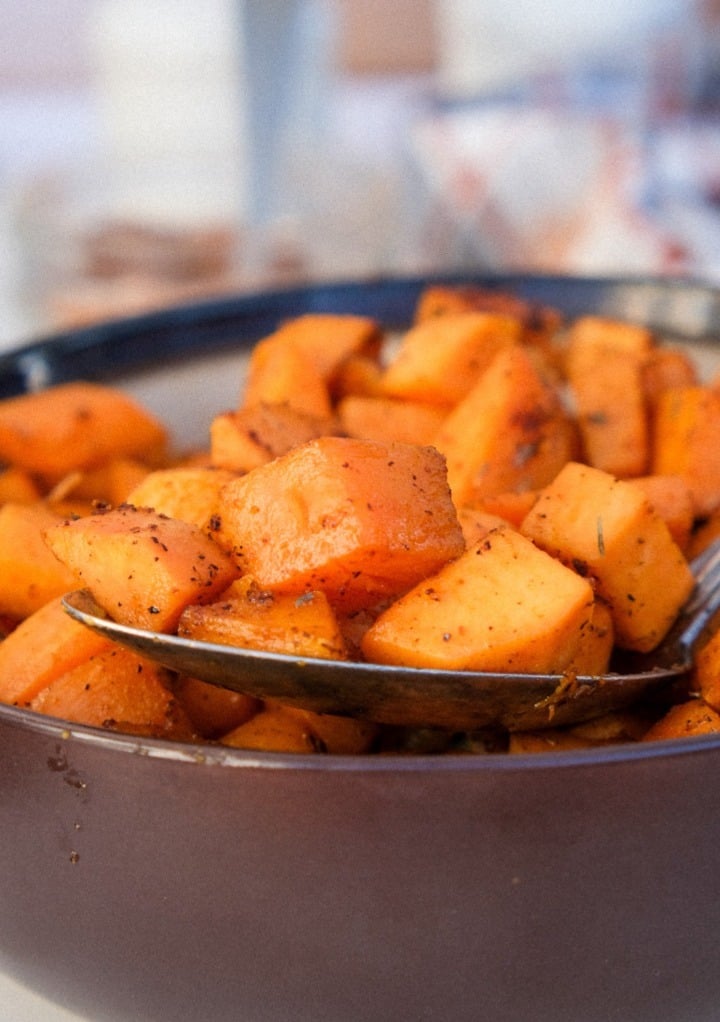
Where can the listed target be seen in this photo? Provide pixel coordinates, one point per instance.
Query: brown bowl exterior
(144, 881)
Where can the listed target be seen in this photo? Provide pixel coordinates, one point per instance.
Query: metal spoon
(458, 700)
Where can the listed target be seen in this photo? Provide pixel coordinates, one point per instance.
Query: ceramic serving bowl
(151, 881)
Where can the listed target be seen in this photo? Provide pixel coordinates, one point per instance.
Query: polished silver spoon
(457, 700)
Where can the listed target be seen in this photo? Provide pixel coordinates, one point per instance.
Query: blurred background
(153, 151)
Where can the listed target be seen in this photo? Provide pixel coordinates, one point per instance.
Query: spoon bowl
(417, 697)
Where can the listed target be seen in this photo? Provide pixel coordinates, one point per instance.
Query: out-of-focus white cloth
(486, 46)
(558, 190)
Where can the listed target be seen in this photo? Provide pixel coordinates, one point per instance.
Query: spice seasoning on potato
(143, 568)
(357, 519)
(117, 689)
(503, 606)
(255, 618)
(607, 528)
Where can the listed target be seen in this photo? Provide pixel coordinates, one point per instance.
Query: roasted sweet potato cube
(703, 534)
(186, 492)
(284, 729)
(685, 720)
(670, 496)
(109, 483)
(142, 567)
(666, 368)
(213, 711)
(328, 340)
(256, 618)
(606, 529)
(592, 656)
(613, 727)
(477, 524)
(116, 689)
(335, 735)
(706, 681)
(17, 486)
(300, 361)
(357, 519)
(686, 427)
(43, 647)
(30, 574)
(242, 440)
(503, 605)
(509, 433)
(539, 322)
(359, 374)
(384, 418)
(604, 365)
(525, 743)
(273, 729)
(76, 426)
(280, 373)
(509, 505)
(440, 359)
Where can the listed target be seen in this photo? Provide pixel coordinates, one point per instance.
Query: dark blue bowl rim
(685, 307)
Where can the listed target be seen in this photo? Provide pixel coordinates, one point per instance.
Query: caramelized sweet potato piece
(335, 735)
(211, 710)
(440, 359)
(509, 433)
(30, 574)
(606, 529)
(597, 640)
(43, 647)
(76, 426)
(705, 531)
(509, 505)
(706, 674)
(385, 418)
(671, 498)
(279, 373)
(116, 689)
(539, 322)
(109, 483)
(142, 567)
(18, 487)
(328, 340)
(503, 605)
(693, 717)
(273, 729)
(686, 429)
(299, 363)
(604, 366)
(477, 524)
(665, 369)
(618, 726)
(242, 440)
(356, 519)
(255, 618)
(523, 743)
(284, 729)
(187, 493)
(359, 374)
